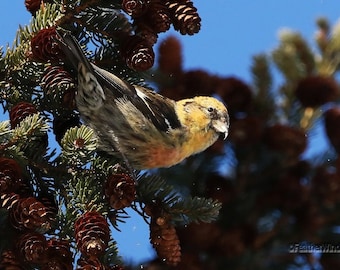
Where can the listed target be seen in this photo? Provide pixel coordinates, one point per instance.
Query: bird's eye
(210, 109)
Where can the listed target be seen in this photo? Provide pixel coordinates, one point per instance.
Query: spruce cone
(10, 175)
(120, 190)
(9, 261)
(7, 201)
(146, 32)
(59, 256)
(90, 264)
(198, 82)
(117, 267)
(287, 140)
(20, 111)
(135, 8)
(49, 202)
(59, 86)
(158, 16)
(164, 239)
(92, 234)
(170, 56)
(184, 16)
(138, 54)
(235, 93)
(32, 247)
(29, 213)
(246, 131)
(54, 77)
(44, 46)
(33, 5)
(315, 91)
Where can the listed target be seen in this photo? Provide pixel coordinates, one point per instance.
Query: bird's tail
(72, 50)
(90, 95)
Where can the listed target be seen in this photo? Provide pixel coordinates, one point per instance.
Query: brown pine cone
(246, 131)
(135, 8)
(287, 140)
(116, 267)
(9, 261)
(10, 175)
(92, 234)
(29, 213)
(90, 264)
(32, 247)
(51, 206)
(184, 16)
(235, 93)
(8, 200)
(33, 5)
(158, 16)
(164, 239)
(138, 54)
(120, 190)
(45, 47)
(146, 32)
(58, 255)
(60, 86)
(315, 91)
(170, 56)
(198, 83)
(20, 111)
(55, 77)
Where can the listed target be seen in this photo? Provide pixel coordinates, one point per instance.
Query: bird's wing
(157, 108)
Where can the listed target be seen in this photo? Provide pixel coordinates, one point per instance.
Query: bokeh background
(232, 32)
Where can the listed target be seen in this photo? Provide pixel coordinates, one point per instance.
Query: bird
(149, 130)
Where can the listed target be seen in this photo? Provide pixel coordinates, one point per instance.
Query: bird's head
(205, 113)
(216, 112)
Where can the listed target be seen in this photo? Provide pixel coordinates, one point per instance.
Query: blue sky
(232, 31)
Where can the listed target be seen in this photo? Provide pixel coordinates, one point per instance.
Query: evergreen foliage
(245, 203)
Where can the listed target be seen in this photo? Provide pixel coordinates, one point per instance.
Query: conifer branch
(182, 209)
(79, 145)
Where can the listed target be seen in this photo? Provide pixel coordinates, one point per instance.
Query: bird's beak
(221, 126)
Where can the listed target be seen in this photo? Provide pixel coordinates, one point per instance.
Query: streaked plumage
(149, 129)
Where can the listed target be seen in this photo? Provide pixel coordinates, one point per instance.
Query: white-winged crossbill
(148, 129)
